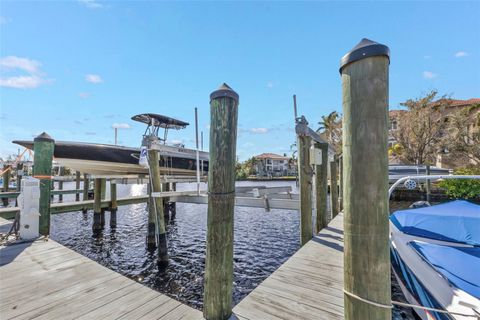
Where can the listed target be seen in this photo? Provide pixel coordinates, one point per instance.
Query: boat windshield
(456, 221)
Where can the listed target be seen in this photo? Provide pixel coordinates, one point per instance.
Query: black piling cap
(224, 91)
(44, 137)
(364, 49)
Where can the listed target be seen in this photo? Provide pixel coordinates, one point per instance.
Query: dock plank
(45, 280)
(309, 285)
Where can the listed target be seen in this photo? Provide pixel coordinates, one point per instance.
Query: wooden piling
(6, 182)
(113, 204)
(340, 183)
(305, 180)
(86, 185)
(221, 200)
(77, 185)
(321, 189)
(43, 146)
(97, 206)
(61, 173)
(173, 205)
(166, 209)
(19, 173)
(364, 73)
(157, 204)
(334, 187)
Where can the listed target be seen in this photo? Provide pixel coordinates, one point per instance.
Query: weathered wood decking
(45, 280)
(309, 285)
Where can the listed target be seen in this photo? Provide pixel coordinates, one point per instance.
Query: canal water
(263, 241)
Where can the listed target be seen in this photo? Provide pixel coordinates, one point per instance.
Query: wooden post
(6, 182)
(43, 146)
(19, 173)
(321, 189)
(113, 204)
(173, 205)
(305, 180)
(364, 73)
(340, 183)
(334, 187)
(157, 203)
(97, 206)
(428, 185)
(86, 185)
(221, 200)
(166, 211)
(77, 185)
(61, 173)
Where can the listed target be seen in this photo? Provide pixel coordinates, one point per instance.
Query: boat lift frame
(428, 177)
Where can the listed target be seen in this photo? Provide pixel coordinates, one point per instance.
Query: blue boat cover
(455, 221)
(460, 265)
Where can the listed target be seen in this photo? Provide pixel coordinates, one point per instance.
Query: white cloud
(22, 82)
(28, 65)
(461, 54)
(120, 126)
(259, 130)
(84, 95)
(429, 75)
(91, 4)
(33, 79)
(93, 78)
(270, 84)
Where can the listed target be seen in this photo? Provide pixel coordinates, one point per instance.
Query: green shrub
(463, 188)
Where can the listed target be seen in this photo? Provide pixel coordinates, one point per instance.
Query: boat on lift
(107, 159)
(435, 256)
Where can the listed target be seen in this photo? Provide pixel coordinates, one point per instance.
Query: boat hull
(103, 159)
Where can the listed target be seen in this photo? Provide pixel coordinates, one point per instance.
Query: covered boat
(436, 258)
(105, 159)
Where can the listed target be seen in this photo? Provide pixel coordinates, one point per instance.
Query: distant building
(443, 158)
(271, 164)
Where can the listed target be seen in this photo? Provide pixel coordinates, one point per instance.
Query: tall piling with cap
(305, 174)
(364, 73)
(43, 147)
(221, 200)
(321, 189)
(334, 187)
(157, 203)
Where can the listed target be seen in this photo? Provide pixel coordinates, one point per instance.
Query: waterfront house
(274, 165)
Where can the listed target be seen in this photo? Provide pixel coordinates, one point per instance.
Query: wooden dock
(309, 285)
(45, 280)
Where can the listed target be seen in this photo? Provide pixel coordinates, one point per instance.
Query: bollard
(364, 73)
(321, 189)
(221, 200)
(43, 146)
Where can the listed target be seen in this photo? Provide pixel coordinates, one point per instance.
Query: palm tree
(330, 126)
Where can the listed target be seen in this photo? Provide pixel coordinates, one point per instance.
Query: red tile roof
(271, 156)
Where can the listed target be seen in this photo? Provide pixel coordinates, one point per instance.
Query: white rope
(397, 303)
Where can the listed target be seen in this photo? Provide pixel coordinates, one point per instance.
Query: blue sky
(75, 68)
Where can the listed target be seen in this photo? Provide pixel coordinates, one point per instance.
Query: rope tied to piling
(403, 304)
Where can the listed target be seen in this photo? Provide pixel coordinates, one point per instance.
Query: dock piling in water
(221, 200)
(61, 173)
(97, 206)
(156, 204)
(364, 73)
(77, 185)
(43, 146)
(113, 204)
(321, 189)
